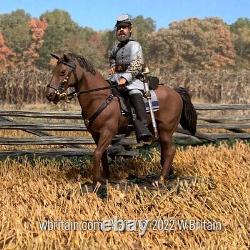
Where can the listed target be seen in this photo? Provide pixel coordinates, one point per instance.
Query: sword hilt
(146, 86)
(146, 71)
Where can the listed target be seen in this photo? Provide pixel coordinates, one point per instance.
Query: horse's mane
(84, 63)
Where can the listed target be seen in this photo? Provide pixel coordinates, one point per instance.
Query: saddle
(126, 107)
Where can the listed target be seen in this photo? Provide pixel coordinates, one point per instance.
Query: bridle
(61, 91)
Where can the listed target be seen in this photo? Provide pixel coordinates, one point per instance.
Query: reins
(76, 93)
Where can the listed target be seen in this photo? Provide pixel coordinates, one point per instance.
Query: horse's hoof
(99, 180)
(100, 190)
(160, 182)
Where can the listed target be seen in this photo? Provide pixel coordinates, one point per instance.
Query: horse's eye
(62, 73)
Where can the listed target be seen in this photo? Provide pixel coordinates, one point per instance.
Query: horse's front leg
(100, 154)
(105, 165)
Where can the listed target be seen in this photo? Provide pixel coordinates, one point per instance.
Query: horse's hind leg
(167, 155)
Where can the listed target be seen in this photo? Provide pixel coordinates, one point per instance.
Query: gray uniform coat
(129, 55)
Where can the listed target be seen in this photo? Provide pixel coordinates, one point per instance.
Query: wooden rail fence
(233, 126)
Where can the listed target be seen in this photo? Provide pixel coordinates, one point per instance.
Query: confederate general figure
(126, 66)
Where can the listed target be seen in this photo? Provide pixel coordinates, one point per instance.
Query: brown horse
(102, 113)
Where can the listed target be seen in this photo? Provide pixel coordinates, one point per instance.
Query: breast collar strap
(88, 122)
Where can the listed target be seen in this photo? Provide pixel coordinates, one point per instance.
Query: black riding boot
(141, 126)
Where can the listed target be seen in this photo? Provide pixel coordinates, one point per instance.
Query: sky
(101, 14)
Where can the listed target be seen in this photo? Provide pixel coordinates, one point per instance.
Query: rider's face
(123, 32)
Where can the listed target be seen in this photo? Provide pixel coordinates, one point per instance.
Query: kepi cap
(123, 20)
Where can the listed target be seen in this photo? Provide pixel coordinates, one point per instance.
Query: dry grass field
(34, 192)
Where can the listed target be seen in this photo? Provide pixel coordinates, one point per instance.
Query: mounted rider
(126, 65)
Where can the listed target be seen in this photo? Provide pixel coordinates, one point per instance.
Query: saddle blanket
(154, 101)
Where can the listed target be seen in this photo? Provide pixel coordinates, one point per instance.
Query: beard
(123, 37)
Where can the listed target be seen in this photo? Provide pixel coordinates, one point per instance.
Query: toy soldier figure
(126, 65)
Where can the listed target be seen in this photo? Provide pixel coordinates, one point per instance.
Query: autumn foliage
(5, 54)
(37, 28)
(194, 53)
(193, 43)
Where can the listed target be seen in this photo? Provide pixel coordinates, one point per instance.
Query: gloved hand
(122, 83)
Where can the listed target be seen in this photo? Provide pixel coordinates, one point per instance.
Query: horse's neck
(94, 81)
(91, 101)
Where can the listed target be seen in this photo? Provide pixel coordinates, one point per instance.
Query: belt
(121, 68)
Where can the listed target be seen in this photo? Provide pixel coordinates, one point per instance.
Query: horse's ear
(55, 56)
(66, 57)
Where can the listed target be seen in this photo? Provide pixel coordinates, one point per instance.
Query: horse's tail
(188, 116)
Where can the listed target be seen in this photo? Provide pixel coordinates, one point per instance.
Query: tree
(241, 38)
(108, 38)
(38, 28)
(89, 44)
(60, 28)
(15, 29)
(142, 29)
(193, 43)
(5, 54)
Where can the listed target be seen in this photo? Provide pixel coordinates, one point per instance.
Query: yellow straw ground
(35, 192)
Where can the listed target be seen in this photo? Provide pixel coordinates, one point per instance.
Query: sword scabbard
(148, 96)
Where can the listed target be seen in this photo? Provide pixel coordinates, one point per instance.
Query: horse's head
(64, 75)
